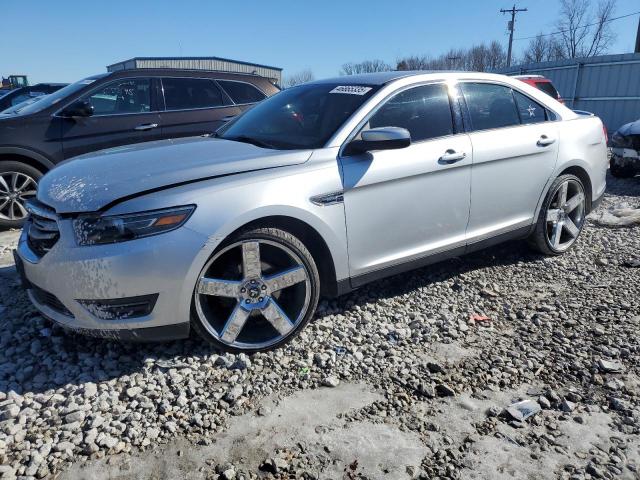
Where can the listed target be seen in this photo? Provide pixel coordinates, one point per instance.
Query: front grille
(50, 300)
(42, 227)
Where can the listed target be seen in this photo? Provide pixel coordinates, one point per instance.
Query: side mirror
(383, 138)
(80, 108)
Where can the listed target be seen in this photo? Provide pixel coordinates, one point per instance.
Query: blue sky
(67, 40)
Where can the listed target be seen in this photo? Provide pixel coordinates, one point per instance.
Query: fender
(25, 152)
(576, 162)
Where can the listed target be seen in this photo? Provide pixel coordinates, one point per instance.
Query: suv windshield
(300, 117)
(58, 95)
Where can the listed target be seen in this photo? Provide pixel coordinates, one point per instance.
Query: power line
(511, 25)
(580, 26)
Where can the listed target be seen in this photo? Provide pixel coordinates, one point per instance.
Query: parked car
(319, 189)
(541, 83)
(16, 108)
(109, 110)
(19, 95)
(625, 151)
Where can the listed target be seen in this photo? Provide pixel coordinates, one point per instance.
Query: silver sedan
(315, 191)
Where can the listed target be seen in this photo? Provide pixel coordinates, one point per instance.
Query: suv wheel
(18, 183)
(561, 217)
(621, 169)
(256, 292)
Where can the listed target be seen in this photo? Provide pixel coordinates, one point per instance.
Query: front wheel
(18, 183)
(256, 292)
(561, 217)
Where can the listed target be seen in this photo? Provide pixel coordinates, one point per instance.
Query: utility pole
(511, 24)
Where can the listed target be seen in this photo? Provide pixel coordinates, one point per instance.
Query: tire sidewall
(14, 166)
(292, 243)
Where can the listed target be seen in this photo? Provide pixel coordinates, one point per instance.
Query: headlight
(94, 230)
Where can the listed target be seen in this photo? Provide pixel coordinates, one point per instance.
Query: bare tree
(298, 78)
(583, 33)
(367, 66)
(479, 57)
(537, 50)
(543, 48)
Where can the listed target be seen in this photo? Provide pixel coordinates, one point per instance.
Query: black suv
(109, 110)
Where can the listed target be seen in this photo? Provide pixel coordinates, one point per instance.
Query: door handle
(545, 141)
(146, 126)
(451, 156)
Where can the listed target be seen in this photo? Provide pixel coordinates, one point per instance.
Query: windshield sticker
(351, 89)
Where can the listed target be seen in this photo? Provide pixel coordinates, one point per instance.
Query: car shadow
(38, 356)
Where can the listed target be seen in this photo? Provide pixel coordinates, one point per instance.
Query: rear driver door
(193, 106)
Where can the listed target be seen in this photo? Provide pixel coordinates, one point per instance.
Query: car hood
(632, 128)
(90, 182)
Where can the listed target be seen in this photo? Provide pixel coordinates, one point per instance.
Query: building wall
(608, 85)
(215, 64)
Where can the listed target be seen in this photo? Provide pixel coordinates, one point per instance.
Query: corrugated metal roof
(135, 59)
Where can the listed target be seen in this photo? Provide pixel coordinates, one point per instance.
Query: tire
(12, 213)
(621, 171)
(568, 220)
(279, 306)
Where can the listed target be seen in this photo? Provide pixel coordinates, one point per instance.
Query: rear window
(548, 88)
(241, 92)
(191, 93)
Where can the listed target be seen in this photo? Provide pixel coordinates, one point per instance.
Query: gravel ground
(410, 377)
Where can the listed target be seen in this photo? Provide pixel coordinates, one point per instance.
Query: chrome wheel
(15, 189)
(253, 294)
(565, 215)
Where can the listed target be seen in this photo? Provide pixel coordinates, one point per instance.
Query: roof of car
(381, 78)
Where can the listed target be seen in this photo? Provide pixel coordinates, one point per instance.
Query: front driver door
(123, 113)
(404, 205)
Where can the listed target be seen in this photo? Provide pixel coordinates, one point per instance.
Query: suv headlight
(95, 230)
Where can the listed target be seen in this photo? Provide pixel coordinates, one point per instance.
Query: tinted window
(241, 92)
(305, 116)
(189, 93)
(530, 111)
(490, 106)
(122, 96)
(548, 88)
(424, 111)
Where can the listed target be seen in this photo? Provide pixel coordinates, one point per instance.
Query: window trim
(102, 85)
(467, 114)
(218, 80)
(392, 94)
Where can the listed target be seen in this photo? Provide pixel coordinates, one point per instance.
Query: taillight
(604, 130)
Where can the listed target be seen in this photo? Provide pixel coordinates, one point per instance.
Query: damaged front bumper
(138, 290)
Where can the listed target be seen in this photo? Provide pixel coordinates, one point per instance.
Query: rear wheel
(561, 217)
(621, 169)
(256, 292)
(18, 183)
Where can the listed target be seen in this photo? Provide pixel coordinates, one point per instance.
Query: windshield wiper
(251, 140)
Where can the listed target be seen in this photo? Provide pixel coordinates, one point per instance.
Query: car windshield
(305, 116)
(55, 97)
